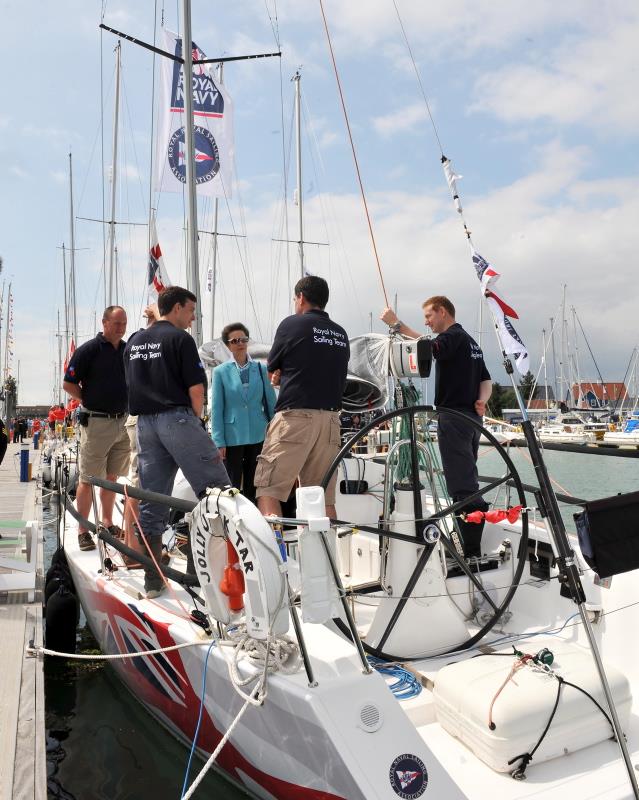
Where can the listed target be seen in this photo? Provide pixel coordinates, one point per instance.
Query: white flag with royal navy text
(212, 126)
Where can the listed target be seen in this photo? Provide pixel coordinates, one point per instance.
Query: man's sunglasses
(239, 340)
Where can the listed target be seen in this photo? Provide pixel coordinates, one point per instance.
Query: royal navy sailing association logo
(408, 776)
(207, 157)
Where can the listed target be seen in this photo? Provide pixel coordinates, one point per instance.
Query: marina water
(101, 743)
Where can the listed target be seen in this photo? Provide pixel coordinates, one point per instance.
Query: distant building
(32, 411)
(598, 395)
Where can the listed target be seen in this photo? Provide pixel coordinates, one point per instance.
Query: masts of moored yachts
(72, 302)
(298, 157)
(216, 208)
(543, 337)
(114, 164)
(192, 270)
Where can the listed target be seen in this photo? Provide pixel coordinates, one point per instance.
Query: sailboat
(364, 657)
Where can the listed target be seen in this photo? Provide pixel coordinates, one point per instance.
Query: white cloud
(18, 172)
(402, 119)
(587, 81)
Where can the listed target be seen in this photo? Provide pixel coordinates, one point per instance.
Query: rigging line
(279, 245)
(419, 80)
(359, 177)
(632, 355)
(102, 151)
(592, 355)
(274, 22)
(444, 159)
(135, 153)
(244, 266)
(346, 274)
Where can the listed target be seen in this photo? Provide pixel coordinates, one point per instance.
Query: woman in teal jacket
(243, 404)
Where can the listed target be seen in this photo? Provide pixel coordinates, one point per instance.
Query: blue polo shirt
(98, 367)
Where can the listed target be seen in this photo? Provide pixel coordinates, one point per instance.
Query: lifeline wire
(350, 136)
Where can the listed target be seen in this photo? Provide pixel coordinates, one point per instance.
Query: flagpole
(114, 173)
(193, 276)
(216, 208)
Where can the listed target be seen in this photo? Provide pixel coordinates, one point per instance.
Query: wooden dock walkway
(22, 732)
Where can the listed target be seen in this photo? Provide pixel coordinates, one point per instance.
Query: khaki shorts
(300, 443)
(131, 426)
(104, 448)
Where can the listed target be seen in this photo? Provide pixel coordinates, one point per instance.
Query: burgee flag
(508, 336)
(157, 275)
(69, 355)
(212, 127)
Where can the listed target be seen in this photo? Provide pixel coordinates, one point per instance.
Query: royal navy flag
(212, 127)
(157, 275)
(69, 355)
(508, 336)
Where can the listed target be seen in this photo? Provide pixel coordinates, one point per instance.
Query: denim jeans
(172, 440)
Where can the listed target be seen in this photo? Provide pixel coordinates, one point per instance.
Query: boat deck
(22, 731)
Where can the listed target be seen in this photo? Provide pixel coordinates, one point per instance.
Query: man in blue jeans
(166, 383)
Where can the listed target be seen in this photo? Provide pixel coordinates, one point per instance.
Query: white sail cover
(212, 126)
(367, 380)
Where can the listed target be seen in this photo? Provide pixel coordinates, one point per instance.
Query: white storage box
(464, 691)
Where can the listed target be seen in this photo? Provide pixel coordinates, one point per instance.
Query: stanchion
(24, 463)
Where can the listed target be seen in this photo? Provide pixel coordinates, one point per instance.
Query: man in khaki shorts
(95, 376)
(308, 360)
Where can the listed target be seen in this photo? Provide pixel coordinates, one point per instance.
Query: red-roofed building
(598, 395)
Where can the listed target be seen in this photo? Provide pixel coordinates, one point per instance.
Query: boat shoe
(153, 582)
(85, 541)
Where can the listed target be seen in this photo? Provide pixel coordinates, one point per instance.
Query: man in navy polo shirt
(308, 360)
(166, 383)
(95, 377)
(463, 384)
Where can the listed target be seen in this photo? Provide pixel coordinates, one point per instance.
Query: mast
(216, 208)
(563, 380)
(576, 346)
(543, 340)
(114, 166)
(58, 372)
(192, 271)
(74, 330)
(7, 336)
(66, 298)
(554, 357)
(298, 157)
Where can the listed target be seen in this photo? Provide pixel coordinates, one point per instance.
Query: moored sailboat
(295, 707)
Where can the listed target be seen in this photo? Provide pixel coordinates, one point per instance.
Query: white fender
(226, 514)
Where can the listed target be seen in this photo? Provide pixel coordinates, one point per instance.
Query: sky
(532, 102)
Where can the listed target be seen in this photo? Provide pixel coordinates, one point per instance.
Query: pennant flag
(69, 355)
(212, 127)
(508, 336)
(157, 276)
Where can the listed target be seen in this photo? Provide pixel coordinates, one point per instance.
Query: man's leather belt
(104, 414)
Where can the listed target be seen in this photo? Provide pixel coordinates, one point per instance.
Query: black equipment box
(608, 531)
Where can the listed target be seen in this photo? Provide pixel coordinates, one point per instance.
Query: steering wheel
(424, 524)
